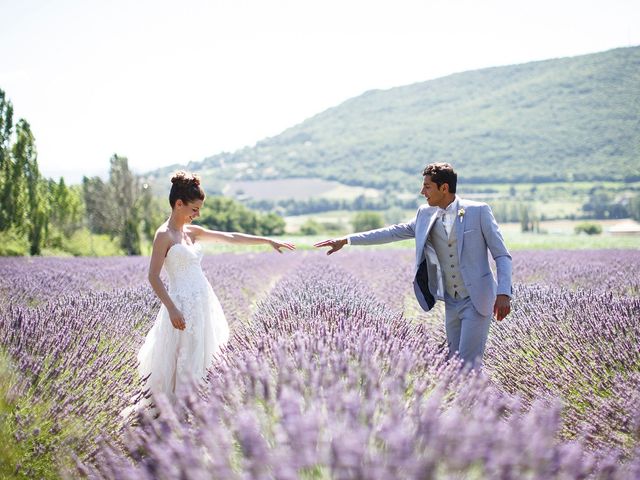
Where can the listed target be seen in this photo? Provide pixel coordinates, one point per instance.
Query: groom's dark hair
(441, 173)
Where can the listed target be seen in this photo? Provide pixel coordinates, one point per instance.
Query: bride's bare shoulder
(164, 228)
(163, 235)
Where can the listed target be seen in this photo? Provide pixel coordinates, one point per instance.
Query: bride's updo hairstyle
(186, 187)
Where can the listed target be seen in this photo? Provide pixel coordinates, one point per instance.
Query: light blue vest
(447, 252)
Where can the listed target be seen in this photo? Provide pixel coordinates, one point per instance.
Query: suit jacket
(478, 235)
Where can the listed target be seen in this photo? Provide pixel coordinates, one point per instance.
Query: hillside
(562, 119)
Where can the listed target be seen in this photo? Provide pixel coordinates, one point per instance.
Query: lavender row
(390, 272)
(82, 327)
(238, 280)
(76, 357)
(326, 382)
(573, 334)
(607, 271)
(33, 281)
(74, 337)
(581, 346)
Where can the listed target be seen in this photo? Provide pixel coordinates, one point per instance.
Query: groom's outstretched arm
(394, 233)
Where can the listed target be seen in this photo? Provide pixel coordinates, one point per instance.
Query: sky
(169, 82)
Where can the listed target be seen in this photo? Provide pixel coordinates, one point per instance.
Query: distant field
(550, 200)
(302, 242)
(566, 227)
(547, 187)
(558, 235)
(547, 226)
(342, 217)
(296, 188)
(557, 194)
(545, 200)
(532, 241)
(514, 239)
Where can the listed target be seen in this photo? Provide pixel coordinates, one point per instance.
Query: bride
(190, 327)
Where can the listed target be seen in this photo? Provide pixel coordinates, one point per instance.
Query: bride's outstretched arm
(238, 238)
(161, 244)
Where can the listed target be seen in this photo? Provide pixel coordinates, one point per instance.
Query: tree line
(36, 211)
(119, 215)
(123, 207)
(114, 216)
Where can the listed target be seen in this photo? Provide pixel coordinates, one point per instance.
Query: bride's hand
(177, 320)
(278, 245)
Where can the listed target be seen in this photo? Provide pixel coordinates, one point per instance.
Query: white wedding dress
(176, 358)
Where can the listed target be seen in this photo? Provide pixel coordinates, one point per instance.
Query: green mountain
(572, 118)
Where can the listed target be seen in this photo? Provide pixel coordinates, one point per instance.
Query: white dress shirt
(448, 215)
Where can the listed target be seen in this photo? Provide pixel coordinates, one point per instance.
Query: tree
(153, 211)
(367, 221)
(227, 215)
(529, 221)
(525, 226)
(634, 207)
(67, 210)
(6, 127)
(271, 224)
(28, 200)
(115, 207)
(22, 191)
(37, 206)
(12, 189)
(97, 199)
(602, 204)
(126, 190)
(310, 227)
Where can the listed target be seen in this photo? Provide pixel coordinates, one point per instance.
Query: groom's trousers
(467, 330)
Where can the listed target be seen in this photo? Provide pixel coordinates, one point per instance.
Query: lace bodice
(183, 267)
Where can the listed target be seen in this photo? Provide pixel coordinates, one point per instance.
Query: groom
(453, 237)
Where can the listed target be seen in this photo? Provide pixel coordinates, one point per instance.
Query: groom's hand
(502, 307)
(335, 245)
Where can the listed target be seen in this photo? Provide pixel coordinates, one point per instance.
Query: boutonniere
(461, 214)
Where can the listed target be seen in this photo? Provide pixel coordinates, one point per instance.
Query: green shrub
(13, 243)
(367, 221)
(589, 228)
(84, 243)
(334, 228)
(311, 227)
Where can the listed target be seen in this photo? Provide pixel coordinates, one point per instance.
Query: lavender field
(331, 372)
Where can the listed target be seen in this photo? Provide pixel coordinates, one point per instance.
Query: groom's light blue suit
(477, 234)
